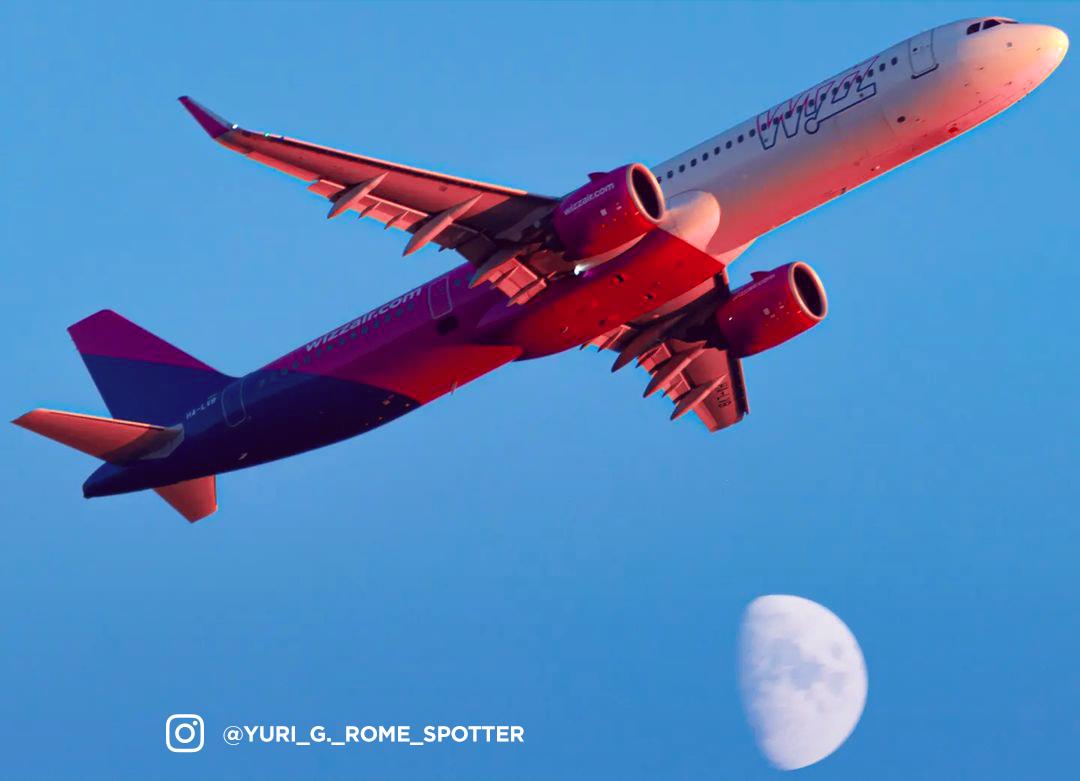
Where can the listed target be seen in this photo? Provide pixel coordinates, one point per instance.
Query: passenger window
(881, 67)
(740, 138)
(893, 61)
(670, 174)
(682, 168)
(973, 28)
(704, 156)
(693, 161)
(753, 132)
(716, 151)
(990, 23)
(727, 145)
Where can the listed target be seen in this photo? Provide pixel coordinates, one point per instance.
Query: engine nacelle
(611, 210)
(774, 307)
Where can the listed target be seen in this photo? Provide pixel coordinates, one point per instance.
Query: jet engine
(776, 306)
(613, 209)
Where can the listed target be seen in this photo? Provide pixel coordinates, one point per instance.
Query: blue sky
(543, 548)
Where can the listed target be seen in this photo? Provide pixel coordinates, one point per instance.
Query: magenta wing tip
(214, 125)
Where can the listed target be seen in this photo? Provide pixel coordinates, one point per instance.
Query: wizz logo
(817, 105)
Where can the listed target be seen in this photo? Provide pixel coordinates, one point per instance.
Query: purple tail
(140, 376)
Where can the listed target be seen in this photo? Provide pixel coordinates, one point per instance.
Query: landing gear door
(921, 54)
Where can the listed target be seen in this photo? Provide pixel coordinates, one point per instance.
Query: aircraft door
(232, 403)
(921, 54)
(439, 298)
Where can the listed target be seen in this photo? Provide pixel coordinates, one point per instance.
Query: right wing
(495, 228)
(684, 363)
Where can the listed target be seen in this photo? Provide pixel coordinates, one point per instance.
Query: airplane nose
(1057, 41)
(1051, 45)
(1035, 51)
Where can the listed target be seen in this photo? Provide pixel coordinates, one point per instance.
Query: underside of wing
(490, 225)
(684, 362)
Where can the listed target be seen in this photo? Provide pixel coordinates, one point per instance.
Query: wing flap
(726, 403)
(696, 374)
(380, 209)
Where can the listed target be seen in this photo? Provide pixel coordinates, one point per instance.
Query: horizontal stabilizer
(120, 442)
(115, 441)
(193, 499)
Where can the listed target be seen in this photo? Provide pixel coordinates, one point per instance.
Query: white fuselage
(856, 125)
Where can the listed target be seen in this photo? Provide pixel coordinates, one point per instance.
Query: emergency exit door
(921, 54)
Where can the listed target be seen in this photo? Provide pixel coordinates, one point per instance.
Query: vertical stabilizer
(140, 376)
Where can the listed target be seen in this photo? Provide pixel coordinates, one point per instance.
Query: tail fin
(123, 441)
(140, 376)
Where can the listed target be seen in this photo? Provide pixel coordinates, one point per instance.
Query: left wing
(490, 225)
(684, 362)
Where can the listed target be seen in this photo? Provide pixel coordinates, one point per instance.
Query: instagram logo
(184, 733)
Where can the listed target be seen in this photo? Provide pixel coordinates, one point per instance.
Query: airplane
(633, 262)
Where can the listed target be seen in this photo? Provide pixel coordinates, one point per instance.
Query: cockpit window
(986, 24)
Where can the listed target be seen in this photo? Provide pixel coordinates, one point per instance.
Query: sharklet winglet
(214, 125)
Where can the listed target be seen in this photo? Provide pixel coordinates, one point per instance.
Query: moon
(802, 677)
